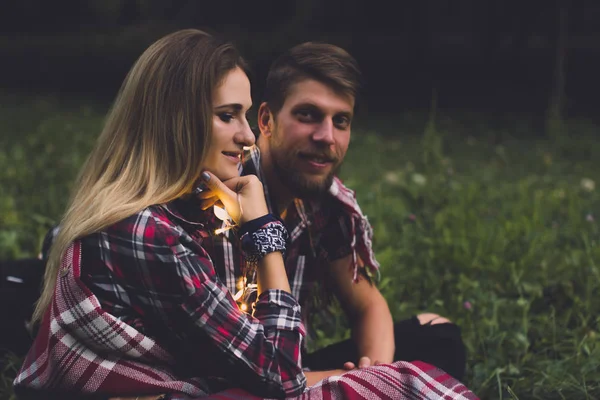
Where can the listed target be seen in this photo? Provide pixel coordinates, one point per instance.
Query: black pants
(440, 345)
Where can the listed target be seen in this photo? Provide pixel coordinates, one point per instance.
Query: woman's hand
(243, 196)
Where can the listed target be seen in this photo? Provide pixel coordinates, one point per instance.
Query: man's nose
(324, 133)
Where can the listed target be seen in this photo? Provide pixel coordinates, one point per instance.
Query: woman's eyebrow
(235, 106)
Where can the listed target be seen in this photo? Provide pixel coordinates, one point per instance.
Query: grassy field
(478, 219)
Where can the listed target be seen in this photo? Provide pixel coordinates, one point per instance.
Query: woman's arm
(177, 287)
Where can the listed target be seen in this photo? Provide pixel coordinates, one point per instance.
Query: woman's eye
(226, 117)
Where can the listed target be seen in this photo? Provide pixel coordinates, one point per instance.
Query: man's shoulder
(336, 208)
(341, 198)
(339, 190)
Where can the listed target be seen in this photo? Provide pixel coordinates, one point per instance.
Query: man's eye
(226, 117)
(341, 122)
(305, 115)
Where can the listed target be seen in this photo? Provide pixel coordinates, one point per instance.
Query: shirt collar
(251, 166)
(187, 210)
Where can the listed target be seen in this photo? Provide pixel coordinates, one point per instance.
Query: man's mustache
(326, 156)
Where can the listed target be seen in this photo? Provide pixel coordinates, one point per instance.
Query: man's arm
(367, 311)
(313, 377)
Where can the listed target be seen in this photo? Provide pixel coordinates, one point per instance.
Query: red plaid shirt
(138, 308)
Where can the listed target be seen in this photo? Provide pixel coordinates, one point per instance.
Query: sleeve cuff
(279, 310)
(277, 297)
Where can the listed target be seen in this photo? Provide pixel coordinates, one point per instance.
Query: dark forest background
(483, 54)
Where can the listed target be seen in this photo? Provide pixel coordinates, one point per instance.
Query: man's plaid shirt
(138, 308)
(320, 232)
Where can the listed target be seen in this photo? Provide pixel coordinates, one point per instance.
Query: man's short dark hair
(326, 63)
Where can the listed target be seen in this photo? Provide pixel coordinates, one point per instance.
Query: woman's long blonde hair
(153, 142)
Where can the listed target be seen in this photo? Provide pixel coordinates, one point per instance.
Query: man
(305, 123)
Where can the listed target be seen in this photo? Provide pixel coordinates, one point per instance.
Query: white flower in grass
(392, 177)
(588, 185)
(419, 179)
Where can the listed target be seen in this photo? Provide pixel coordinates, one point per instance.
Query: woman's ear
(265, 119)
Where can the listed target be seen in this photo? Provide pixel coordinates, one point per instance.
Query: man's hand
(363, 362)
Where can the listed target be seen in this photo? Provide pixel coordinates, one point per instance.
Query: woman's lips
(233, 156)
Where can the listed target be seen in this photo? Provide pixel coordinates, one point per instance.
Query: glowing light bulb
(241, 283)
(244, 307)
(223, 215)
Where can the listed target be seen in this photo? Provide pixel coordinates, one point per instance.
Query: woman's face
(230, 129)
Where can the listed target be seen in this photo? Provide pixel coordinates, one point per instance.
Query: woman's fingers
(227, 196)
(207, 203)
(250, 197)
(242, 196)
(216, 186)
(205, 194)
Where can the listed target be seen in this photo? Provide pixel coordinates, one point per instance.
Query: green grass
(478, 220)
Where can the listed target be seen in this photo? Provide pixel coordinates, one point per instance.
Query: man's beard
(297, 183)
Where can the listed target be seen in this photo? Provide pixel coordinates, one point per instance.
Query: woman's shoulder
(149, 224)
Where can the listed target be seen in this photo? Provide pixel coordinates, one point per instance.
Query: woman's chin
(226, 175)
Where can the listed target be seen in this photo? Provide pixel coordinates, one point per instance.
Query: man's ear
(265, 119)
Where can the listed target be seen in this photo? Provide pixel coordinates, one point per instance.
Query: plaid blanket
(396, 381)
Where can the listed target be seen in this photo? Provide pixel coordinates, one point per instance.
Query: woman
(131, 303)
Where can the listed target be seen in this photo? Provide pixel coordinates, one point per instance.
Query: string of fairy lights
(246, 285)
